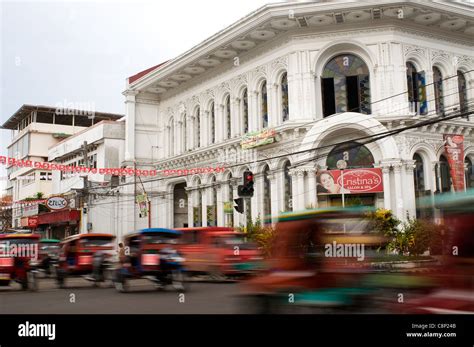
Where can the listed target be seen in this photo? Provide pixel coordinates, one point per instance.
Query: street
(202, 298)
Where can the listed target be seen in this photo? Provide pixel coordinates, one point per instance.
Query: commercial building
(296, 89)
(34, 129)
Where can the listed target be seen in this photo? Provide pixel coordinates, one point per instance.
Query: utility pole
(85, 192)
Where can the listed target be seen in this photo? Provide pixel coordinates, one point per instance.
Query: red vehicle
(18, 254)
(87, 255)
(218, 251)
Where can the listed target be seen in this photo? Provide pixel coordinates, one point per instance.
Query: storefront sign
(356, 181)
(32, 222)
(454, 147)
(30, 210)
(258, 138)
(56, 203)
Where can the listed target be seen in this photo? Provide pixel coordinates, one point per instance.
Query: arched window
(438, 89)
(416, 89)
(228, 121)
(462, 90)
(264, 105)
(288, 187)
(345, 85)
(171, 137)
(469, 173)
(245, 112)
(443, 176)
(267, 199)
(353, 153)
(419, 175)
(212, 125)
(197, 129)
(285, 106)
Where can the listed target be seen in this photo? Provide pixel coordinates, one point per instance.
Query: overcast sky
(81, 52)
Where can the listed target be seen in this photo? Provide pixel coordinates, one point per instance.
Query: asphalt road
(202, 298)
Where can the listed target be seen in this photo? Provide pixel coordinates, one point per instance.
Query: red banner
(454, 148)
(68, 169)
(356, 181)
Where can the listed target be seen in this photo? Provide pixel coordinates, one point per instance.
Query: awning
(59, 217)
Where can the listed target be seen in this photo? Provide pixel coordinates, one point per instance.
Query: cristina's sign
(356, 181)
(258, 138)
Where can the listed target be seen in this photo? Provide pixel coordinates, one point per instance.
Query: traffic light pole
(247, 212)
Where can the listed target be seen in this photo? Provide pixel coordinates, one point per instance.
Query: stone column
(386, 186)
(190, 191)
(294, 189)
(312, 192)
(257, 199)
(220, 220)
(430, 93)
(274, 195)
(399, 203)
(236, 117)
(238, 217)
(409, 195)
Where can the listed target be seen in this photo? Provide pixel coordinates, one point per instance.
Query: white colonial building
(291, 90)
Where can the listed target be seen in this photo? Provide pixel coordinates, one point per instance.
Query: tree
(416, 237)
(384, 222)
(262, 235)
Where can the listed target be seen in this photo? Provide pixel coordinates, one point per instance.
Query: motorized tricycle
(220, 252)
(151, 254)
(18, 257)
(85, 255)
(318, 262)
(49, 250)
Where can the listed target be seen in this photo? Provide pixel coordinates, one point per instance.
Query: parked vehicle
(86, 255)
(220, 252)
(18, 256)
(152, 254)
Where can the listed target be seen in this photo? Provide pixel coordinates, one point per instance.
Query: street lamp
(341, 165)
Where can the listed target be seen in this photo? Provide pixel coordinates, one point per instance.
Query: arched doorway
(347, 156)
(420, 183)
(443, 176)
(180, 206)
(469, 173)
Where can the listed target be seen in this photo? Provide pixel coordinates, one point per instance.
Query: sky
(81, 52)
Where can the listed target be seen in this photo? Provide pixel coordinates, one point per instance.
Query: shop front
(59, 224)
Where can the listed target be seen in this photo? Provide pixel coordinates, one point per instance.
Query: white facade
(105, 149)
(34, 129)
(178, 114)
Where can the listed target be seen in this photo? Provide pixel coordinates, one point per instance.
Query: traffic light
(240, 205)
(246, 190)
